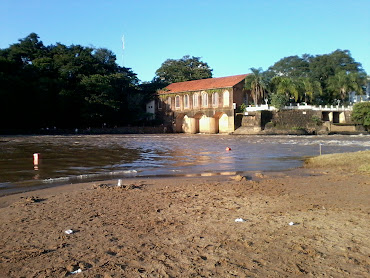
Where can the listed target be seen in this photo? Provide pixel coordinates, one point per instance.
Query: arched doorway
(197, 118)
(221, 123)
(217, 117)
(179, 123)
(187, 124)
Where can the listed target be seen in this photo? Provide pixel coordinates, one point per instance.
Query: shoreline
(74, 181)
(152, 130)
(184, 227)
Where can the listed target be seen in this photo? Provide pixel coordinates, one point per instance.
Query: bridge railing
(301, 107)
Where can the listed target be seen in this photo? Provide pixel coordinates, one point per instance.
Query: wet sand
(185, 227)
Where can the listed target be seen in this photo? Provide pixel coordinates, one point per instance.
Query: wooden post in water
(36, 161)
(320, 148)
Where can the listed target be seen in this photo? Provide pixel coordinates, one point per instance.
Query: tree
(342, 83)
(65, 86)
(318, 76)
(22, 83)
(292, 66)
(361, 114)
(185, 69)
(309, 89)
(100, 101)
(106, 60)
(279, 100)
(27, 50)
(285, 86)
(324, 66)
(256, 83)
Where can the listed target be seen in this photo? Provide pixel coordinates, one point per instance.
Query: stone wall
(280, 122)
(298, 122)
(295, 119)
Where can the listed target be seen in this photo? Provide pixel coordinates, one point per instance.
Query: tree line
(321, 79)
(67, 87)
(80, 87)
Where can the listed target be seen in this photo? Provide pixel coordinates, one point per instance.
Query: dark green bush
(361, 114)
(279, 100)
(316, 120)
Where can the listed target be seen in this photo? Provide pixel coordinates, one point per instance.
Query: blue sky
(231, 36)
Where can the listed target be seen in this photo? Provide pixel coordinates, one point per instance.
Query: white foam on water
(125, 172)
(5, 184)
(51, 180)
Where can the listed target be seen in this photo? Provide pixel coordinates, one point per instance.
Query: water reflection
(70, 158)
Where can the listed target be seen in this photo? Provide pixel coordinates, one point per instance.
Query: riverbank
(309, 221)
(89, 131)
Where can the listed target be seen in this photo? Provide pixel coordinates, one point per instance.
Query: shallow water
(68, 159)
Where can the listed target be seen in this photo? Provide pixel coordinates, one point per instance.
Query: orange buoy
(228, 149)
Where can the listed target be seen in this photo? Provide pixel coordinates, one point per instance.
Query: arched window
(226, 98)
(215, 99)
(177, 102)
(204, 99)
(169, 103)
(186, 101)
(195, 100)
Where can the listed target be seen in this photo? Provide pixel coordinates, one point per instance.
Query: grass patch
(356, 161)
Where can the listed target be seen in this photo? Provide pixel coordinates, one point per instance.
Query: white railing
(259, 108)
(301, 107)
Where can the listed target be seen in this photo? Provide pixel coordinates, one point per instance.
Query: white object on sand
(240, 220)
(291, 223)
(77, 271)
(119, 183)
(68, 232)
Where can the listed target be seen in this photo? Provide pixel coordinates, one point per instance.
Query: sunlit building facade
(203, 106)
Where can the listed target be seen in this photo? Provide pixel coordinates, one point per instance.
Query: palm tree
(256, 83)
(309, 88)
(343, 83)
(285, 86)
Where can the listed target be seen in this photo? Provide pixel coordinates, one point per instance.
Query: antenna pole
(123, 48)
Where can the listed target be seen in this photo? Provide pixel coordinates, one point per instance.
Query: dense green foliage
(321, 79)
(184, 69)
(255, 82)
(361, 114)
(279, 100)
(66, 87)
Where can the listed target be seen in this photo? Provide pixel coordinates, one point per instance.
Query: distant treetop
(185, 69)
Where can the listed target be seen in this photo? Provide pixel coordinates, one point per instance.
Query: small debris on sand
(240, 178)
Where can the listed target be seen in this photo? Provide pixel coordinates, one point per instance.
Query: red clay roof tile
(203, 84)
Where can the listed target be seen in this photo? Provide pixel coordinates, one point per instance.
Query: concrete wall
(342, 128)
(201, 123)
(188, 125)
(337, 117)
(223, 124)
(253, 122)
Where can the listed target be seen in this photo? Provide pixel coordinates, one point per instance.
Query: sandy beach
(298, 223)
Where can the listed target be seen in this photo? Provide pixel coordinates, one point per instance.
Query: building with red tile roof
(204, 84)
(203, 106)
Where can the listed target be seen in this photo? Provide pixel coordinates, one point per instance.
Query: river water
(70, 159)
